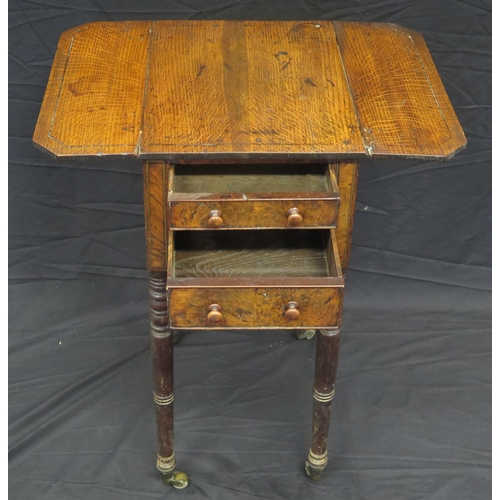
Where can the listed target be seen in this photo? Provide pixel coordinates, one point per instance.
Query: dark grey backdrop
(412, 413)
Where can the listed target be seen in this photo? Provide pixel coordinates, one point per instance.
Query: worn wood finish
(277, 262)
(266, 282)
(268, 95)
(400, 101)
(347, 179)
(95, 96)
(333, 257)
(457, 139)
(223, 69)
(246, 259)
(229, 179)
(156, 214)
(251, 254)
(163, 370)
(251, 213)
(246, 90)
(229, 193)
(264, 308)
(327, 351)
(252, 276)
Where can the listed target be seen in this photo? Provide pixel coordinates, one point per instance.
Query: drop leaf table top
(240, 91)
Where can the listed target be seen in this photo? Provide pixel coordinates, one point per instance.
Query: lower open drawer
(254, 279)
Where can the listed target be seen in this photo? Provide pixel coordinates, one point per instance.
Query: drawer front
(255, 307)
(248, 214)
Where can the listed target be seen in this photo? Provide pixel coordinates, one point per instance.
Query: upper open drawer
(252, 196)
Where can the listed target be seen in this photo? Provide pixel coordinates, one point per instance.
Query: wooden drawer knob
(294, 217)
(214, 313)
(215, 219)
(292, 311)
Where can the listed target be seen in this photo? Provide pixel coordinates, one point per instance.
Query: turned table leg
(327, 352)
(162, 349)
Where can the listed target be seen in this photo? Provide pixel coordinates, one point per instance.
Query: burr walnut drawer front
(255, 307)
(252, 196)
(254, 279)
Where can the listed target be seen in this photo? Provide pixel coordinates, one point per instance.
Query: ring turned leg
(327, 352)
(162, 350)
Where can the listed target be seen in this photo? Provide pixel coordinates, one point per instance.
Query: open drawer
(249, 279)
(252, 196)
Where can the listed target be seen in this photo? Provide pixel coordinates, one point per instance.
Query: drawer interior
(247, 254)
(282, 178)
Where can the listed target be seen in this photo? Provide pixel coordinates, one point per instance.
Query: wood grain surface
(255, 259)
(156, 215)
(347, 179)
(247, 263)
(248, 178)
(255, 307)
(231, 191)
(401, 104)
(215, 254)
(247, 86)
(245, 90)
(256, 214)
(95, 96)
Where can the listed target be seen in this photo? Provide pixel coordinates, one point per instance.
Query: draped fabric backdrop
(412, 414)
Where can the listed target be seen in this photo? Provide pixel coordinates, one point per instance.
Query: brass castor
(179, 480)
(305, 334)
(313, 472)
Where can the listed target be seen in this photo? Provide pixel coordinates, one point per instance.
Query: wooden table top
(246, 91)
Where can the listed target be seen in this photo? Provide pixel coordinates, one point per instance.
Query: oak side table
(250, 134)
